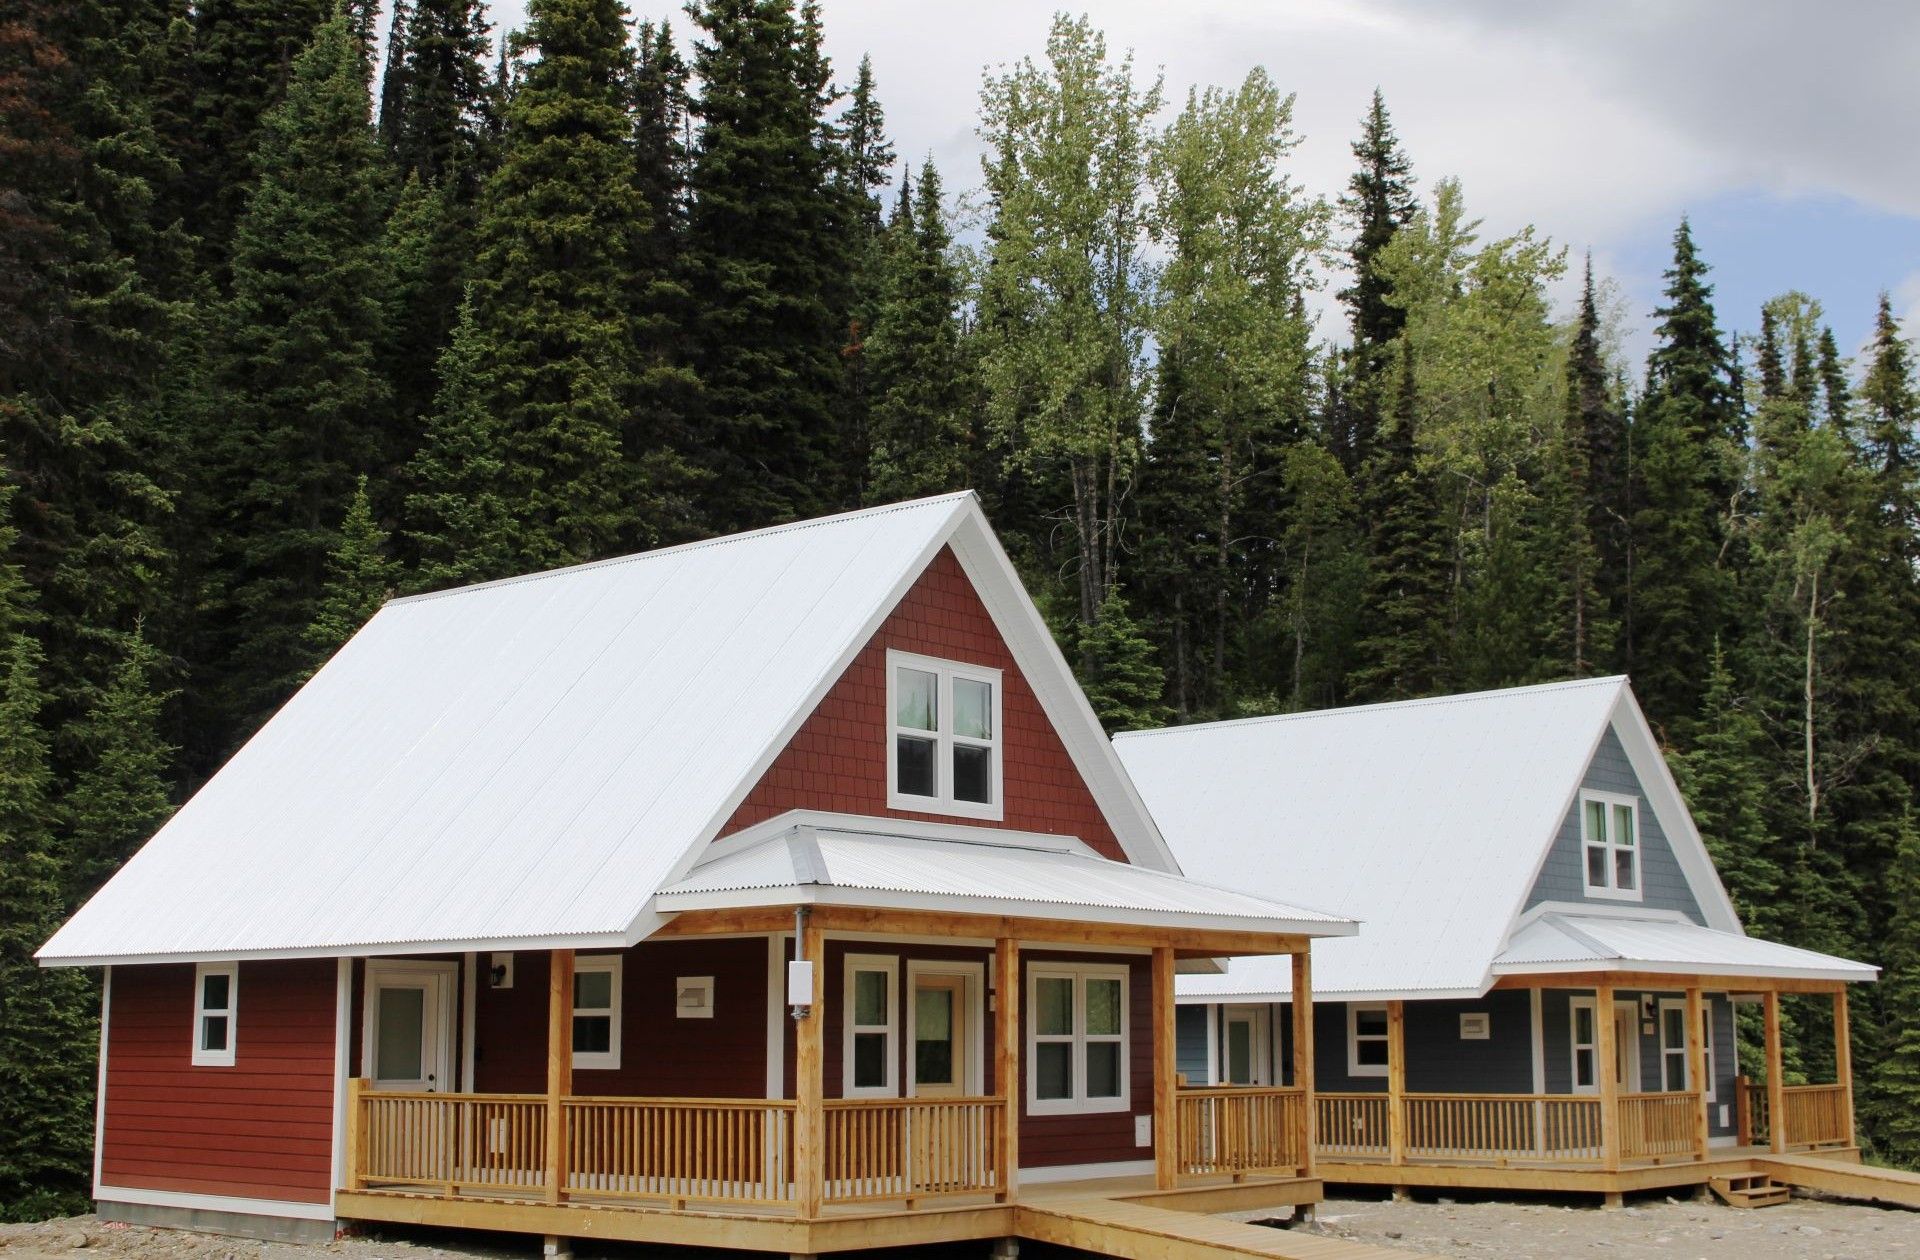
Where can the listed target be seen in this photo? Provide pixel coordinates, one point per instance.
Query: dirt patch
(1646, 1229)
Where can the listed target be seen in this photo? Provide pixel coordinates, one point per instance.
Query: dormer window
(944, 754)
(1610, 844)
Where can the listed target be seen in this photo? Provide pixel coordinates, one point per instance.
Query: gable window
(216, 997)
(1610, 844)
(1366, 1039)
(1076, 1039)
(944, 729)
(869, 1060)
(596, 1012)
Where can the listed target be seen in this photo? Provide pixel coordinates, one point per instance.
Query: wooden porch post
(1697, 1074)
(1006, 1066)
(1303, 1055)
(1605, 1066)
(809, 1088)
(1396, 1082)
(1166, 1121)
(1843, 1061)
(559, 1068)
(356, 1135)
(1776, 1077)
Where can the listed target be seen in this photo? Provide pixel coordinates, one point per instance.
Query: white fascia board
(1257, 996)
(1634, 966)
(1600, 910)
(382, 949)
(884, 899)
(213, 1203)
(1663, 796)
(1046, 670)
(871, 824)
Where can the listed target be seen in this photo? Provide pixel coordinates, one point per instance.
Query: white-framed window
(943, 732)
(1366, 1039)
(869, 1063)
(1610, 844)
(693, 997)
(1584, 1037)
(216, 1006)
(1675, 1071)
(1077, 1056)
(596, 1011)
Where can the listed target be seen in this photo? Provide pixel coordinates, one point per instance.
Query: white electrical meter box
(799, 984)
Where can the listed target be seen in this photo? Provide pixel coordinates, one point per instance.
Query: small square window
(945, 734)
(1367, 1038)
(215, 999)
(1076, 1039)
(1610, 845)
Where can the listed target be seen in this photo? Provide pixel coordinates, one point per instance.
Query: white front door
(409, 1026)
(1626, 1046)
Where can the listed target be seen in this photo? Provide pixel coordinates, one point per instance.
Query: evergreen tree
(866, 162)
(303, 407)
(1378, 203)
(1892, 1094)
(1323, 555)
(393, 83)
(1117, 670)
(427, 238)
(1687, 441)
(1724, 777)
(1595, 481)
(360, 578)
(446, 96)
(120, 797)
(767, 251)
(921, 432)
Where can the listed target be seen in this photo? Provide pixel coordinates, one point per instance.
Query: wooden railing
(1350, 1126)
(1239, 1129)
(912, 1148)
(721, 1150)
(1657, 1126)
(450, 1140)
(1816, 1114)
(1558, 1127)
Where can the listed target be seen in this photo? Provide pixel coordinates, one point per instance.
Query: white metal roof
(1571, 942)
(1426, 820)
(989, 873)
(526, 761)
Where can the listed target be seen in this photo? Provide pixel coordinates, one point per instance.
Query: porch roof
(1584, 943)
(1030, 875)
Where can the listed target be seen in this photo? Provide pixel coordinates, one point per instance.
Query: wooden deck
(1140, 1231)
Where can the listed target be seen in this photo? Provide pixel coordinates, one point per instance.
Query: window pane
(914, 758)
(1673, 1027)
(1596, 866)
(1370, 1052)
(1103, 1007)
(213, 1032)
(1676, 1071)
(403, 1013)
(1370, 1023)
(1103, 1069)
(1239, 1053)
(916, 699)
(1583, 1025)
(1596, 829)
(870, 998)
(1053, 1070)
(869, 1060)
(214, 988)
(972, 708)
(592, 1034)
(933, 1036)
(1623, 824)
(1623, 870)
(1583, 1068)
(1053, 1006)
(973, 774)
(593, 990)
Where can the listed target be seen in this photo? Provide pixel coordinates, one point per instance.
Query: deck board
(1838, 1175)
(1136, 1231)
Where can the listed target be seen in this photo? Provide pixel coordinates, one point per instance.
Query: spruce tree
(1379, 201)
(393, 83)
(446, 96)
(303, 407)
(1892, 1094)
(1724, 778)
(1118, 671)
(768, 254)
(120, 797)
(1593, 464)
(360, 577)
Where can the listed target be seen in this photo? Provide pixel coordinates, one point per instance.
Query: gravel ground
(1646, 1229)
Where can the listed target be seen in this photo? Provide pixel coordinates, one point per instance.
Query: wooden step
(1750, 1190)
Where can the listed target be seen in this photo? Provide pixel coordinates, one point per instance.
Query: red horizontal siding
(261, 1129)
(837, 759)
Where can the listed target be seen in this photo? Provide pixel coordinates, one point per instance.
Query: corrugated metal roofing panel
(1558, 940)
(523, 759)
(1056, 877)
(1425, 820)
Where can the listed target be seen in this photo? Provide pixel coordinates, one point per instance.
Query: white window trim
(1706, 1042)
(1354, 1038)
(609, 1060)
(975, 976)
(1079, 974)
(1575, 1045)
(944, 739)
(216, 1058)
(890, 965)
(1607, 842)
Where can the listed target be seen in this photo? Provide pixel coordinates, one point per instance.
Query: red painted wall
(262, 1129)
(837, 759)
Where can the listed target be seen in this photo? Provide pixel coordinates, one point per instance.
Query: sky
(1785, 129)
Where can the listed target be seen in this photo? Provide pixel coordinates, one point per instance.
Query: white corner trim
(342, 1046)
(776, 1015)
(214, 1203)
(469, 1016)
(100, 1089)
(1539, 1040)
(1087, 1172)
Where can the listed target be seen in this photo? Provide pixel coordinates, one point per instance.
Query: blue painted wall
(1563, 877)
(1190, 1042)
(1557, 1029)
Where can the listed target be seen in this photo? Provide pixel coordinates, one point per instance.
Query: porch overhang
(1559, 946)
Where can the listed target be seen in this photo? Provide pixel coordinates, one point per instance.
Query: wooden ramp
(1839, 1176)
(1135, 1231)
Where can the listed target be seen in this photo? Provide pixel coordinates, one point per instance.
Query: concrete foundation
(237, 1224)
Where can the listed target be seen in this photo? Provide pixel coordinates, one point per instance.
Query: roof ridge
(679, 548)
(1464, 697)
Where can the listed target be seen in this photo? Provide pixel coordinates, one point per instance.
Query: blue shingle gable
(1663, 883)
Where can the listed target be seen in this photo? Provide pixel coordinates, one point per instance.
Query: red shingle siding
(261, 1129)
(836, 761)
